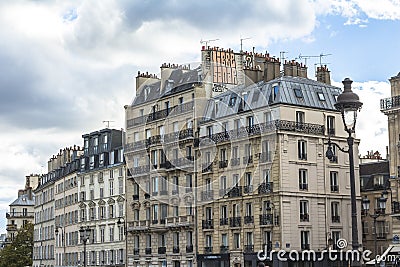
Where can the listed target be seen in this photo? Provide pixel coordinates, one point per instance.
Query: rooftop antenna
(241, 43)
(320, 58)
(108, 123)
(205, 42)
(282, 59)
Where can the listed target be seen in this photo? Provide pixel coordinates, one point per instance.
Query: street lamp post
(84, 233)
(348, 103)
(377, 212)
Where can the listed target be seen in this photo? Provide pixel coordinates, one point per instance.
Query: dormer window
(298, 93)
(321, 96)
(232, 100)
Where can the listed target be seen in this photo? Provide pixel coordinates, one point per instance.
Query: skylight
(298, 92)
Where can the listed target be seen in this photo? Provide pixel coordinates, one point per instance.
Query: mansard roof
(178, 81)
(295, 91)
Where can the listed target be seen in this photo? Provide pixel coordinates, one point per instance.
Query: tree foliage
(19, 252)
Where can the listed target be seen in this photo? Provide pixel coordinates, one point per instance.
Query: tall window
(305, 239)
(148, 241)
(303, 180)
(154, 185)
(335, 212)
(209, 131)
(250, 121)
(302, 149)
(300, 117)
(209, 241)
(111, 187)
(304, 216)
(249, 238)
(224, 240)
(224, 212)
(111, 233)
(236, 240)
(334, 181)
(120, 186)
(330, 125)
(176, 239)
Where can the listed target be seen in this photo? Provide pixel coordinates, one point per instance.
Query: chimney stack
(323, 75)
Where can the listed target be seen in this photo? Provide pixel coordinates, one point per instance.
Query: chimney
(271, 69)
(302, 70)
(323, 75)
(29, 192)
(21, 192)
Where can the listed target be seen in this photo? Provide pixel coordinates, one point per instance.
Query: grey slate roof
(178, 81)
(23, 200)
(262, 94)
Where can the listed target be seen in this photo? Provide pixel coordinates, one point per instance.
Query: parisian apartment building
(228, 159)
(83, 188)
(391, 108)
(21, 209)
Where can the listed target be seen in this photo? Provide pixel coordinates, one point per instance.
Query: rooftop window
(321, 96)
(298, 92)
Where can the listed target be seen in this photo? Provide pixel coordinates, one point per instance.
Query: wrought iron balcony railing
(223, 221)
(235, 191)
(389, 103)
(235, 222)
(208, 224)
(265, 188)
(266, 219)
(248, 219)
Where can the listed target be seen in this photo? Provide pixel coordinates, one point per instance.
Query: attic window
(298, 92)
(321, 96)
(232, 100)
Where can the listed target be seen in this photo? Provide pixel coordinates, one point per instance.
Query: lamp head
(365, 204)
(348, 103)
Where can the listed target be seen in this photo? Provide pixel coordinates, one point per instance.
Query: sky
(67, 66)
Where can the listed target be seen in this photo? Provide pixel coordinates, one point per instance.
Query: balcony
(248, 219)
(235, 191)
(136, 251)
(161, 114)
(266, 219)
(175, 249)
(11, 227)
(248, 248)
(207, 224)
(223, 221)
(147, 250)
(223, 164)
(265, 157)
(235, 222)
(336, 219)
(154, 140)
(189, 248)
(207, 195)
(139, 226)
(184, 134)
(235, 161)
(180, 221)
(248, 189)
(165, 165)
(265, 188)
(181, 162)
(208, 250)
(390, 103)
(207, 167)
(304, 217)
(248, 159)
(224, 249)
(162, 250)
(19, 214)
(257, 129)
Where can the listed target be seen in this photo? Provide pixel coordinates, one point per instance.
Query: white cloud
(371, 123)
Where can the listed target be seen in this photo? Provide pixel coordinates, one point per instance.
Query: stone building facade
(228, 159)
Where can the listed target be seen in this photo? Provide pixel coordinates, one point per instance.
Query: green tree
(19, 252)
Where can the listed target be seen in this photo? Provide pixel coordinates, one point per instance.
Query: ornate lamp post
(121, 221)
(84, 233)
(377, 212)
(348, 103)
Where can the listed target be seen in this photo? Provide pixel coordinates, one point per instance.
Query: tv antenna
(320, 58)
(241, 43)
(108, 123)
(205, 42)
